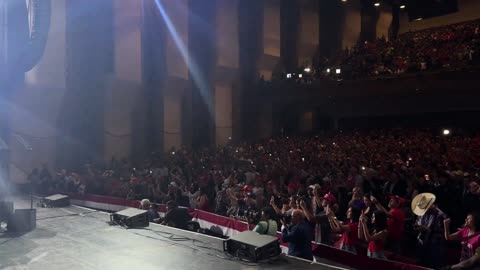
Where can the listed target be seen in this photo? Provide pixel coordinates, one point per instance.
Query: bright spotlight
(300, 76)
(403, 7)
(344, 1)
(446, 132)
(289, 76)
(328, 70)
(230, 138)
(338, 71)
(377, 4)
(307, 69)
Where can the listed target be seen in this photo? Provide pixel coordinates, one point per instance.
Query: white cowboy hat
(422, 202)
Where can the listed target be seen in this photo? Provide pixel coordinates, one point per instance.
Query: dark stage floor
(78, 238)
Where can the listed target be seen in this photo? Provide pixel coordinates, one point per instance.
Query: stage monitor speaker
(22, 220)
(253, 246)
(56, 200)
(130, 218)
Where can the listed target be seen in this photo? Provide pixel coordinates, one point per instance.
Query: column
(226, 78)
(330, 22)
(175, 89)
(308, 32)
(89, 64)
(251, 47)
(202, 36)
(124, 101)
(289, 34)
(268, 18)
(369, 18)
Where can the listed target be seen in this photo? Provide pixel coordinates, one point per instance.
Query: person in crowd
(469, 235)
(153, 215)
(176, 217)
(471, 263)
(369, 209)
(376, 239)
(429, 225)
(267, 224)
(203, 202)
(323, 230)
(396, 222)
(349, 230)
(298, 235)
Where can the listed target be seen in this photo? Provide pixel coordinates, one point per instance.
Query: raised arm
(446, 229)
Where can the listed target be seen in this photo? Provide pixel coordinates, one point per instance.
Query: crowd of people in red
(348, 176)
(450, 46)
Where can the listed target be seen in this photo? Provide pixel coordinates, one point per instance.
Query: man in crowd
(176, 217)
(429, 225)
(153, 215)
(298, 235)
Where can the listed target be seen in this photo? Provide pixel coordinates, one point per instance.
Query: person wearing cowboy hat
(429, 225)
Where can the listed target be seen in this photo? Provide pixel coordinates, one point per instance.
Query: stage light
(446, 132)
(173, 153)
(307, 69)
(403, 7)
(230, 138)
(418, 19)
(289, 76)
(300, 76)
(363, 168)
(338, 71)
(344, 1)
(377, 4)
(328, 70)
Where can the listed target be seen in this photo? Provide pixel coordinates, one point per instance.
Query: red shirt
(470, 243)
(395, 224)
(376, 246)
(350, 238)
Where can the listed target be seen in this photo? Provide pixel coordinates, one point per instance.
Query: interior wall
(177, 73)
(124, 91)
(36, 106)
(309, 31)
(467, 10)
(271, 38)
(384, 22)
(227, 46)
(352, 25)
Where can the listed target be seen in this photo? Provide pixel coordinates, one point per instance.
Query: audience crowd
(450, 46)
(446, 47)
(348, 187)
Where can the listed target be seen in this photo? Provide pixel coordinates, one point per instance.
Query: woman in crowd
(469, 235)
(376, 239)
(349, 230)
(369, 209)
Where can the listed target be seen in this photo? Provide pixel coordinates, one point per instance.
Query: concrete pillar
(253, 46)
(176, 86)
(202, 40)
(123, 95)
(227, 47)
(289, 34)
(308, 32)
(269, 41)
